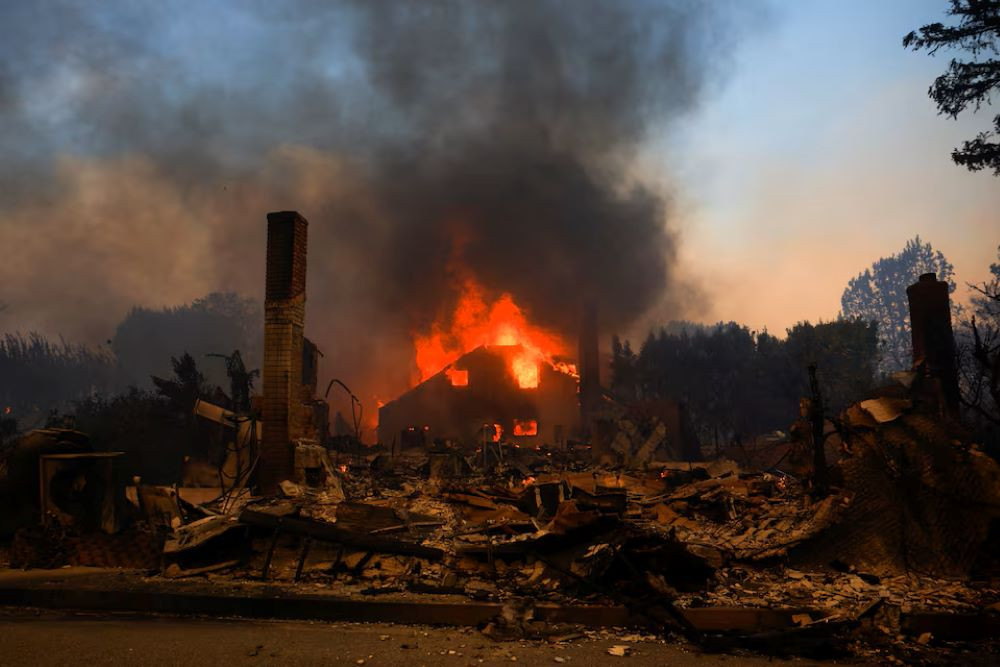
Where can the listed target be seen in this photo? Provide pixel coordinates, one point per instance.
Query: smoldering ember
(514, 420)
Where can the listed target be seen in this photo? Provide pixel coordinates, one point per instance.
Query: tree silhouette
(623, 371)
(147, 338)
(978, 339)
(967, 83)
(878, 295)
(737, 383)
(38, 375)
(185, 387)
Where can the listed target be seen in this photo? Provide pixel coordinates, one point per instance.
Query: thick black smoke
(141, 145)
(522, 120)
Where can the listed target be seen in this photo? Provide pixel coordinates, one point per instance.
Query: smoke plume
(142, 144)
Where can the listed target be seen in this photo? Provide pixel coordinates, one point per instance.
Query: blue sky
(818, 154)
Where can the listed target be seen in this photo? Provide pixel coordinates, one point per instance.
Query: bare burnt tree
(240, 380)
(821, 480)
(979, 353)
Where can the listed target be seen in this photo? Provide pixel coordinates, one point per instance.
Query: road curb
(330, 608)
(301, 607)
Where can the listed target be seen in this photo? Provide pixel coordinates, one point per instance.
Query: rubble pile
(840, 594)
(898, 533)
(553, 536)
(746, 517)
(430, 522)
(923, 500)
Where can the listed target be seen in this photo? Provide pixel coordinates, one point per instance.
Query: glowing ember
(528, 481)
(458, 378)
(477, 322)
(342, 468)
(525, 427)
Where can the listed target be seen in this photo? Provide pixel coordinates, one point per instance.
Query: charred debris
(870, 523)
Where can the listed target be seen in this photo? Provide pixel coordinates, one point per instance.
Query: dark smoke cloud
(141, 145)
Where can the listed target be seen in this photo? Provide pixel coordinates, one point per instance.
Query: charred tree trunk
(821, 481)
(988, 361)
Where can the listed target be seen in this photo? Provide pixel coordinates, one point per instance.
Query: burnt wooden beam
(328, 532)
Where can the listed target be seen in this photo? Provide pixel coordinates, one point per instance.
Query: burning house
(482, 395)
(488, 374)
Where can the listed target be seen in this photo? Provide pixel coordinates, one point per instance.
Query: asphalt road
(30, 637)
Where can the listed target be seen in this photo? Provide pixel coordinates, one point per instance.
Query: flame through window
(526, 427)
(458, 378)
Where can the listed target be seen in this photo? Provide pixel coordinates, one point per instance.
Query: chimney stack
(284, 320)
(933, 340)
(590, 368)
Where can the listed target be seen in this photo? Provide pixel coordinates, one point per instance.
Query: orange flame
(525, 427)
(477, 322)
(459, 378)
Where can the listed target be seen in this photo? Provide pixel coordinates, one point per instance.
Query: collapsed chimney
(590, 366)
(933, 340)
(284, 320)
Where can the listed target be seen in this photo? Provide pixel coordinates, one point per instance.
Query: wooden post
(821, 481)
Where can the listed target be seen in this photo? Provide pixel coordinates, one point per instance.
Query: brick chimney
(933, 340)
(284, 319)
